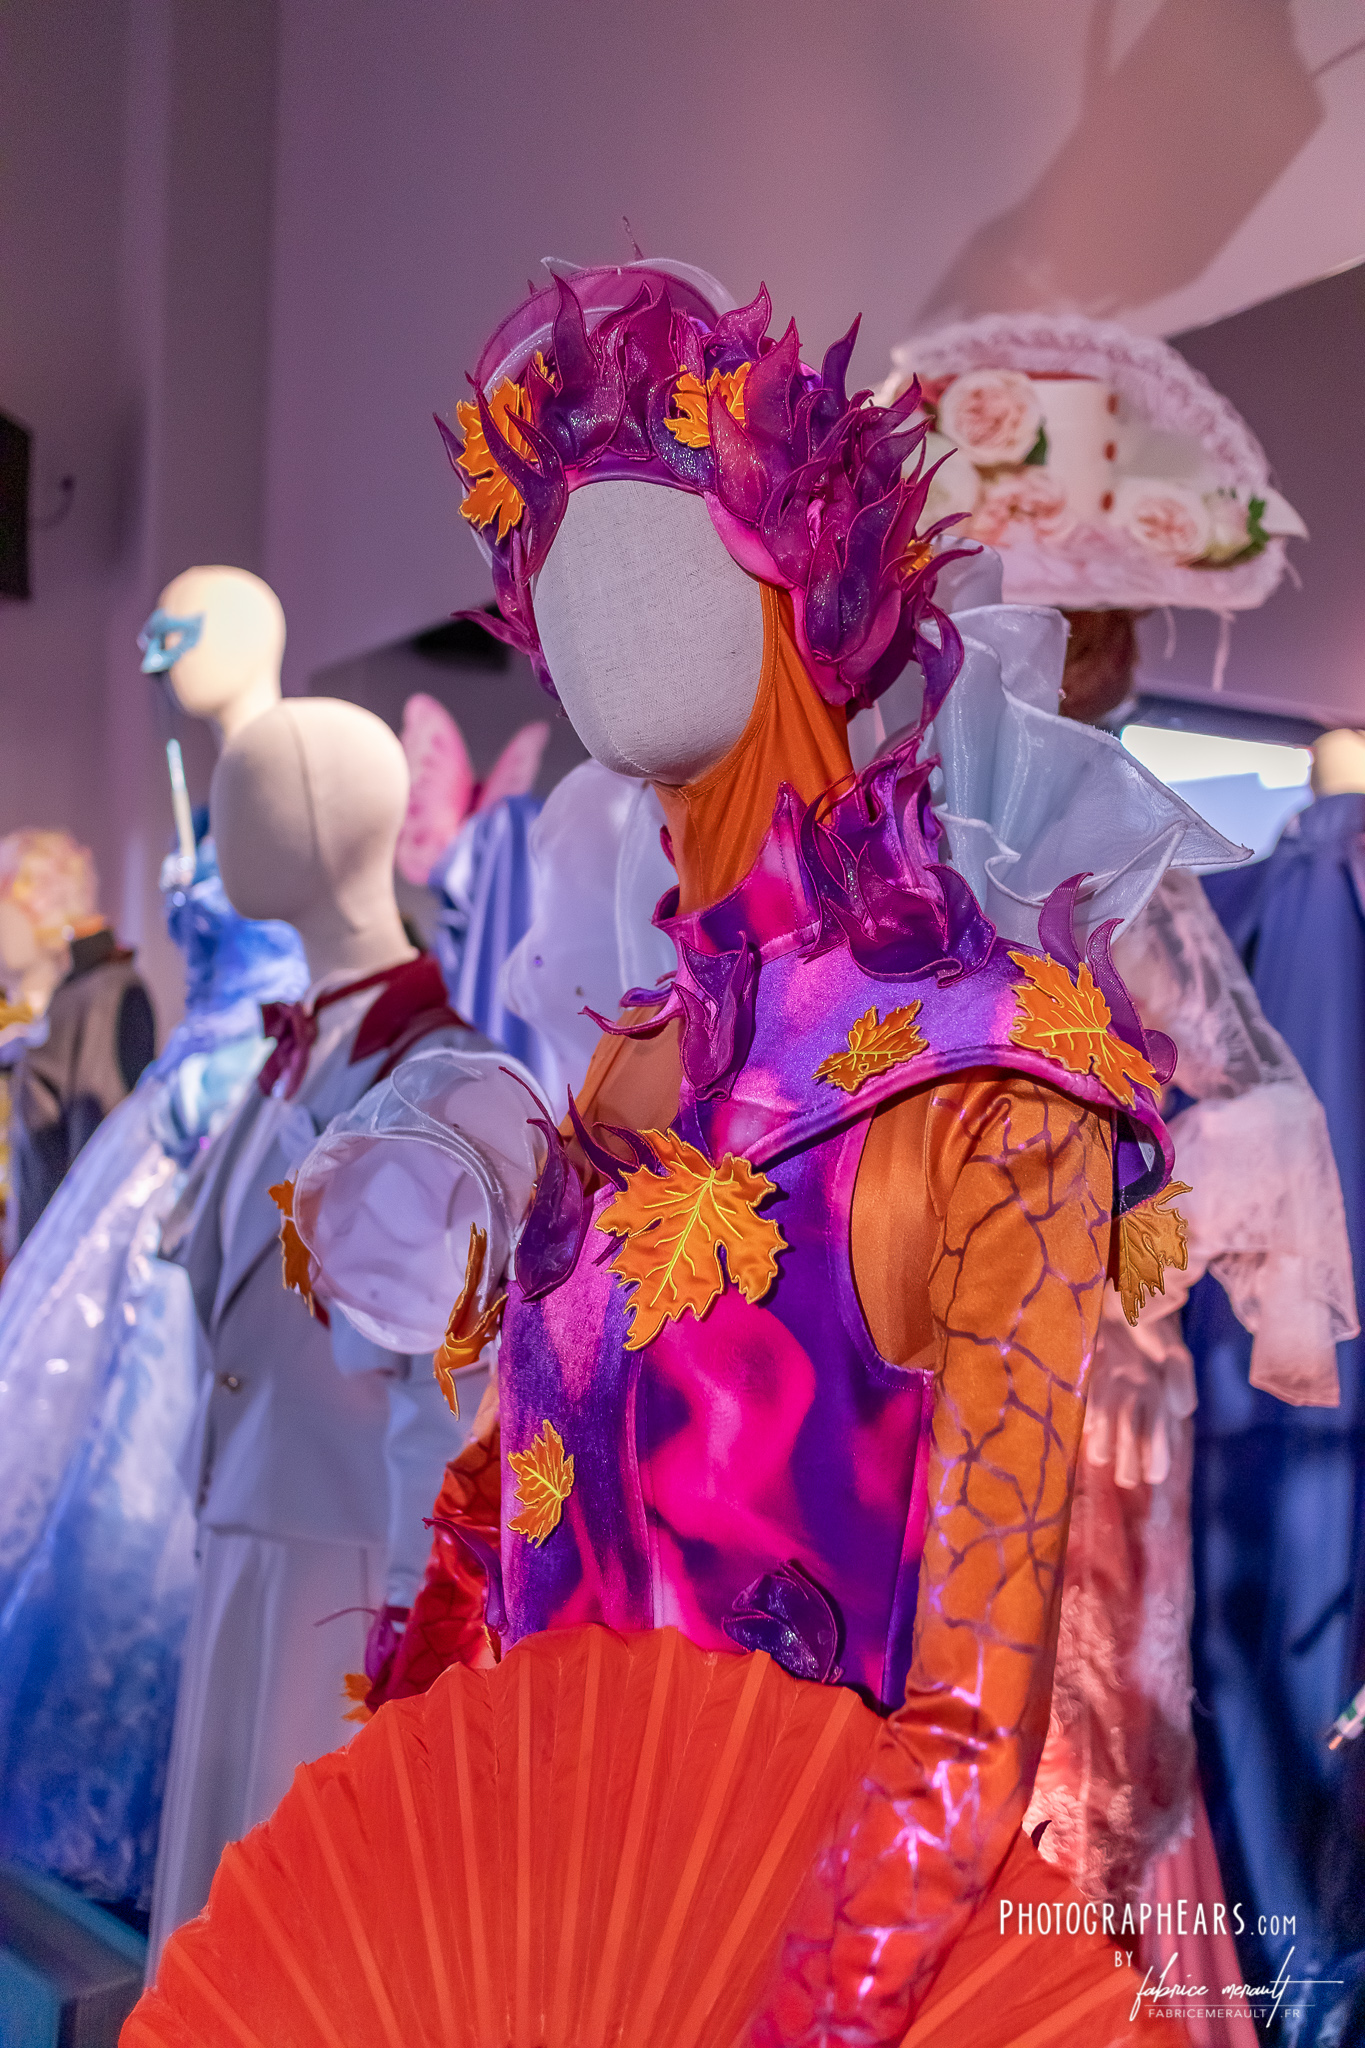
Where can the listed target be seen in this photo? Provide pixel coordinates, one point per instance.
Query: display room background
(248, 246)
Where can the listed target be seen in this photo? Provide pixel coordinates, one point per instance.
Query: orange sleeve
(1020, 1179)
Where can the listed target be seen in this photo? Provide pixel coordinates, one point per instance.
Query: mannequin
(318, 1452)
(653, 639)
(218, 634)
(1339, 763)
(62, 960)
(306, 836)
(1277, 1501)
(789, 1461)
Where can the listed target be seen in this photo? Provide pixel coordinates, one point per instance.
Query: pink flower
(992, 415)
(1029, 505)
(1169, 520)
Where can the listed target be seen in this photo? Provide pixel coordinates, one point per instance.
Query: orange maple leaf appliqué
(544, 1483)
(297, 1259)
(688, 422)
(493, 496)
(675, 1225)
(355, 1687)
(874, 1047)
(1151, 1238)
(467, 1335)
(1068, 1021)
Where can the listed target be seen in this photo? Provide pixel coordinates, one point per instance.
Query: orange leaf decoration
(874, 1047)
(1068, 1021)
(355, 1686)
(544, 1483)
(298, 1260)
(467, 1335)
(916, 557)
(689, 424)
(675, 1225)
(493, 496)
(1151, 1238)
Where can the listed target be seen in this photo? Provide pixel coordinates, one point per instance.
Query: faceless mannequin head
(1339, 762)
(653, 634)
(306, 805)
(230, 672)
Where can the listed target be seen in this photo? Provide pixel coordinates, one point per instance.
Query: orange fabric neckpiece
(718, 823)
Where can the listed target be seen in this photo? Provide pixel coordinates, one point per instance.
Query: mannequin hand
(1142, 1381)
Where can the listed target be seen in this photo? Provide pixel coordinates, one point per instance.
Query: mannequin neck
(718, 823)
(261, 694)
(338, 946)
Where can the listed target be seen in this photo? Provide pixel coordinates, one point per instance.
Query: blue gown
(483, 885)
(97, 1391)
(1279, 1493)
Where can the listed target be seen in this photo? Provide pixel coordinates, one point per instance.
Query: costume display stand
(97, 1333)
(1279, 1505)
(93, 1034)
(315, 1452)
(1110, 477)
(823, 1243)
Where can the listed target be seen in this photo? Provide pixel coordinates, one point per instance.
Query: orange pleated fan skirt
(597, 1844)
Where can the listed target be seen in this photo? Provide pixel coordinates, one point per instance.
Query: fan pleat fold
(596, 1844)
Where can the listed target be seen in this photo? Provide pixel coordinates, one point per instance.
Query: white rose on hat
(993, 416)
(1168, 519)
(1027, 504)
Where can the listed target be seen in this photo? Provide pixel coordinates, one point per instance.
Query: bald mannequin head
(306, 805)
(653, 635)
(231, 674)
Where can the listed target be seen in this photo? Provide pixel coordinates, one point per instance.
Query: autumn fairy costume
(798, 1320)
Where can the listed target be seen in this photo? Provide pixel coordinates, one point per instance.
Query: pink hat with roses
(1108, 473)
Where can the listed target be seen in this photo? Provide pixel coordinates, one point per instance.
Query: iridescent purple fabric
(810, 489)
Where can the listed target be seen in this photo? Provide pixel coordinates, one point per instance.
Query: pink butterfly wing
(517, 766)
(442, 786)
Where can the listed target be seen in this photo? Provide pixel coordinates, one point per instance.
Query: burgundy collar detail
(411, 1002)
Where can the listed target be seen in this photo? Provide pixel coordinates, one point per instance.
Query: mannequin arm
(1021, 1180)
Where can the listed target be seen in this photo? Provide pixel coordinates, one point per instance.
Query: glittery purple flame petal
(1159, 1048)
(742, 481)
(584, 414)
(488, 1561)
(638, 1145)
(814, 490)
(834, 369)
(556, 1224)
(694, 467)
(606, 1163)
(788, 1614)
(941, 662)
(542, 490)
(1056, 923)
(738, 335)
(671, 1007)
(889, 907)
(717, 995)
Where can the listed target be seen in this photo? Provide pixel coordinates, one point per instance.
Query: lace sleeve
(1265, 1213)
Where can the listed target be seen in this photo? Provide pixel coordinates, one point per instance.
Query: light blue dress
(97, 1391)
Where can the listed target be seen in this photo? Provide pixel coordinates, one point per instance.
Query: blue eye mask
(165, 639)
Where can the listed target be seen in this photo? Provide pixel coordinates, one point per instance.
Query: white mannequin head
(306, 805)
(230, 673)
(1339, 762)
(653, 634)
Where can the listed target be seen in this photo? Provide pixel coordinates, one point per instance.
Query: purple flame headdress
(635, 372)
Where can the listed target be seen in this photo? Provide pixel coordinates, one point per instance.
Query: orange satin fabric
(718, 823)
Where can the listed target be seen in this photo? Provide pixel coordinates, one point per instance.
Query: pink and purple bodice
(757, 1476)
